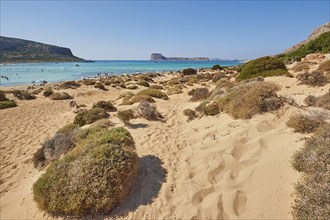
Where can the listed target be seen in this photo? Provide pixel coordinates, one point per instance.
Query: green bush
(125, 116)
(320, 44)
(91, 179)
(189, 71)
(216, 67)
(153, 93)
(312, 197)
(7, 104)
(90, 116)
(264, 66)
(106, 105)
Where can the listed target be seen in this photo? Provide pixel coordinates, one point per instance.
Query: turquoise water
(25, 73)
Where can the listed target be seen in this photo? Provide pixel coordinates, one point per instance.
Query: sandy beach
(213, 167)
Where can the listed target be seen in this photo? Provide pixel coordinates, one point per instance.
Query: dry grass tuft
(153, 93)
(60, 96)
(125, 116)
(322, 101)
(199, 94)
(148, 111)
(312, 197)
(304, 123)
(248, 99)
(191, 114)
(99, 85)
(70, 85)
(324, 67)
(301, 66)
(23, 95)
(314, 78)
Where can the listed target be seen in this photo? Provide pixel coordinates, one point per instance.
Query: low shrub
(304, 123)
(125, 94)
(141, 98)
(217, 76)
(156, 87)
(224, 83)
(99, 85)
(153, 93)
(216, 67)
(264, 66)
(324, 67)
(70, 85)
(48, 92)
(89, 116)
(310, 100)
(90, 179)
(148, 111)
(314, 78)
(106, 105)
(132, 87)
(88, 82)
(189, 71)
(312, 200)
(191, 114)
(7, 104)
(60, 96)
(3, 96)
(174, 81)
(211, 109)
(23, 95)
(143, 83)
(199, 94)
(248, 99)
(125, 116)
(322, 101)
(301, 66)
(174, 90)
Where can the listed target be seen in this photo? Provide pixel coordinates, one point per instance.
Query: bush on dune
(106, 105)
(70, 85)
(264, 66)
(304, 123)
(248, 99)
(153, 93)
(199, 94)
(312, 197)
(89, 116)
(23, 95)
(125, 116)
(99, 85)
(191, 114)
(93, 178)
(148, 111)
(314, 78)
(322, 101)
(143, 83)
(3, 96)
(7, 104)
(216, 67)
(324, 67)
(60, 96)
(48, 92)
(189, 71)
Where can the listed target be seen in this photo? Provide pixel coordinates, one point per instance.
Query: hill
(158, 56)
(13, 50)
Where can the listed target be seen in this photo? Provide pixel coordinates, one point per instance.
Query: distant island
(160, 57)
(14, 50)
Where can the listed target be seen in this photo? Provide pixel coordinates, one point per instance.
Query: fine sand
(214, 167)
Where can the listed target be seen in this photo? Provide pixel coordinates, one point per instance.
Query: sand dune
(210, 168)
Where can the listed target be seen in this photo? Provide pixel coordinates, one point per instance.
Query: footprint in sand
(239, 204)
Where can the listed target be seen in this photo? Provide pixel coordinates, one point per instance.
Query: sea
(27, 73)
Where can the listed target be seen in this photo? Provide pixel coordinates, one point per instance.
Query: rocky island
(14, 50)
(160, 57)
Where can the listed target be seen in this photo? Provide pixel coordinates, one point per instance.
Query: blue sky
(135, 29)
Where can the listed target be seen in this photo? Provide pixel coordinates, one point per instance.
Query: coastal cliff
(160, 57)
(13, 50)
(314, 35)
